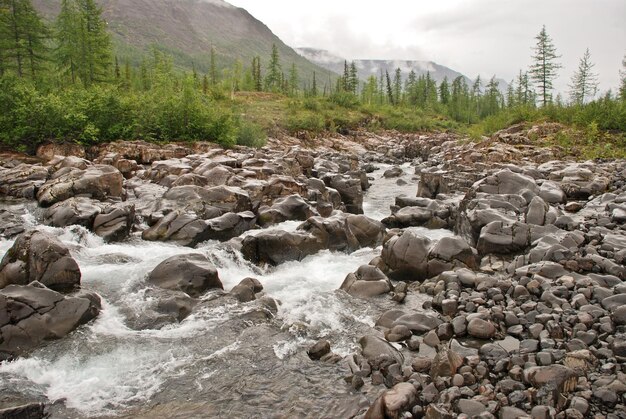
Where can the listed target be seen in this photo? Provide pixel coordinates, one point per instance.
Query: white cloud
(474, 37)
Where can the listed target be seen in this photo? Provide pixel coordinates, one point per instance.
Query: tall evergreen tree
(83, 44)
(397, 86)
(273, 80)
(353, 78)
(523, 92)
(390, 96)
(584, 81)
(294, 80)
(23, 37)
(314, 86)
(444, 91)
(492, 99)
(543, 71)
(213, 68)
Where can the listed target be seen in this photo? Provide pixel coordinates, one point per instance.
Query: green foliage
(251, 135)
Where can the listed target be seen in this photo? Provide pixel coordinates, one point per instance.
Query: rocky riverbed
(368, 276)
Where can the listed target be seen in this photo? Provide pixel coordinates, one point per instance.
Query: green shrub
(251, 135)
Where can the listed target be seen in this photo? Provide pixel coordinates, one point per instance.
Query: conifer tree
(314, 86)
(397, 86)
(354, 78)
(523, 93)
(389, 89)
(213, 68)
(23, 37)
(273, 80)
(294, 80)
(444, 91)
(544, 68)
(584, 81)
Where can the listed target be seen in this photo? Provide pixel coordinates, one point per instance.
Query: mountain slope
(187, 29)
(367, 68)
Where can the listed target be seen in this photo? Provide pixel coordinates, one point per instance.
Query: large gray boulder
(276, 247)
(206, 203)
(406, 256)
(180, 227)
(367, 281)
(351, 192)
(507, 182)
(73, 211)
(22, 180)
(230, 225)
(115, 222)
(39, 256)
(289, 208)
(99, 182)
(32, 314)
(190, 273)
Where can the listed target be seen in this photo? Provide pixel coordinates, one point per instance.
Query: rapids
(220, 361)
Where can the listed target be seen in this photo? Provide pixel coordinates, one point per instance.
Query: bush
(251, 135)
(301, 121)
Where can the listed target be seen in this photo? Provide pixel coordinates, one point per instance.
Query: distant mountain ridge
(186, 29)
(369, 67)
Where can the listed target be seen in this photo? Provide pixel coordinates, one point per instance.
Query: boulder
(99, 182)
(32, 314)
(367, 281)
(39, 256)
(507, 182)
(246, 290)
(190, 273)
(392, 403)
(115, 222)
(351, 192)
(276, 247)
(289, 208)
(183, 228)
(23, 180)
(230, 225)
(73, 211)
(373, 347)
(206, 203)
(406, 256)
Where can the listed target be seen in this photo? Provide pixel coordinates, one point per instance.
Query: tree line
(63, 81)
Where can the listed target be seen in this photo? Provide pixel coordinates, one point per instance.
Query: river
(224, 360)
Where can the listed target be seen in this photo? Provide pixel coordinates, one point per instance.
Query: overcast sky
(483, 37)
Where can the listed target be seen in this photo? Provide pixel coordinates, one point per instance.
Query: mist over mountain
(373, 67)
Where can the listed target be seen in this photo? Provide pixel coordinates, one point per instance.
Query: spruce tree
(23, 37)
(584, 82)
(213, 68)
(397, 86)
(294, 80)
(544, 68)
(444, 91)
(273, 80)
(389, 89)
(314, 86)
(354, 78)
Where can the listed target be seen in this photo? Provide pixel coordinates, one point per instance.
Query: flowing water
(224, 360)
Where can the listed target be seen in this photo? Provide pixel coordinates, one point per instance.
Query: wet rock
(230, 225)
(115, 222)
(246, 290)
(173, 305)
(98, 182)
(180, 227)
(393, 172)
(32, 314)
(11, 223)
(23, 180)
(507, 182)
(26, 411)
(373, 347)
(289, 208)
(351, 192)
(39, 256)
(206, 203)
(398, 333)
(438, 411)
(191, 273)
(367, 281)
(319, 349)
(446, 362)
(417, 322)
(402, 397)
(276, 247)
(510, 412)
(406, 255)
(79, 211)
